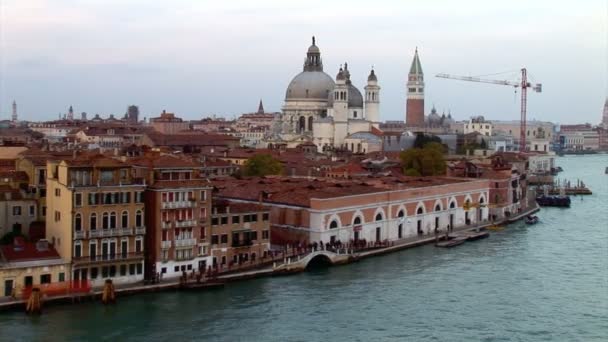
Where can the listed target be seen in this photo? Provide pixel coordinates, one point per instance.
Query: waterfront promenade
(287, 264)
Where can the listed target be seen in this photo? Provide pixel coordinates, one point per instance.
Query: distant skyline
(199, 58)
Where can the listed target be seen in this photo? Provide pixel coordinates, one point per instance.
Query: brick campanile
(414, 109)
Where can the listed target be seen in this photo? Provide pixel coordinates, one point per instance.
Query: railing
(80, 234)
(185, 223)
(125, 231)
(179, 204)
(185, 243)
(166, 225)
(165, 244)
(108, 257)
(140, 230)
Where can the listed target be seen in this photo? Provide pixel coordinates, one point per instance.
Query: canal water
(547, 282)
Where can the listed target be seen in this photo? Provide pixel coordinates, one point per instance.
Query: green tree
(423, 139)
(427, 161)
(262, 165)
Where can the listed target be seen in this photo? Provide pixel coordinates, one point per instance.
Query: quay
(290, 265)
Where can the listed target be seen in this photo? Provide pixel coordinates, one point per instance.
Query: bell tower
(372, 99)
(414, 115)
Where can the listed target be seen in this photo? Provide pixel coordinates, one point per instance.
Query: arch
(105, 220)
(438, 205)
(124, 219)
(401, 213)
(452, 202)
(379, 215)
(420, 209)
(333, 224)
(358, 218)
(468, 199)
(482, 198)
(78, 222)
(310, 123)
(139, 218)
(301, 124)
(319, 261)
(93, 221)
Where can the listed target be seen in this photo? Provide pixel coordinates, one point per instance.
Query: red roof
(27, 251)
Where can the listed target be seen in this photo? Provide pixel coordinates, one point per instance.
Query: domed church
(324, 111)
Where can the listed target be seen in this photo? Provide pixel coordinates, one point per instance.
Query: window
(265, 234)
(106, 176)
(112, 220)
(61, 277)
(246, 218)
(124, 219)
(139, 269)
(224, 238)
(57, 192)
(93, 221)
(214, 221)
(412, 90)
(78, 199)
(77, 250)
(93, 199)
(254, 217)
(357, 221)
(333, 224)
(57, 216)
(78, 222)
(104, 272)
(112, 270)
(203, 195)
(378, 217)
(45, 279)
(138, 245)
(224, 220)
(105, 221)
(139, 198)
(94, 272)
(236, 219)
(214, 239)
(17, 210)
(44, 211)
(132, 269)
(265, 216)
(139, 218)
(32, 210)
(123, 270)
(253, 235)
(437, 207)
(420, 211)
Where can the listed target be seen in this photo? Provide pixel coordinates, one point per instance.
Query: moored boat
(532, 220)
(553, 201)
(452, 242)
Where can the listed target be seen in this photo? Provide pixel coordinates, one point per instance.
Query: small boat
(472, 236)
(532, 220)
(452, 242)
(495, 227)
(553, 201)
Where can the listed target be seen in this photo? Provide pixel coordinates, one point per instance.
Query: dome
(314, 49)
(313, 85)
(372, 77)
(355, 99)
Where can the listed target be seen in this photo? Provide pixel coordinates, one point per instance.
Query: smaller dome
(355, 99)
(372, 77)
(340, 76)
(314, 49)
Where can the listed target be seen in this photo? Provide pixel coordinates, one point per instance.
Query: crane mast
(523, 84)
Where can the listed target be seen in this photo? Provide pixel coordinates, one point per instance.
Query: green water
(547, 282)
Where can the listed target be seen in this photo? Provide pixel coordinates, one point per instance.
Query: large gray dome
(355, 99)
(310, 85)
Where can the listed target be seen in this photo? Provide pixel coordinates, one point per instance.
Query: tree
(423, 139)
(262, 165)
(427, 161)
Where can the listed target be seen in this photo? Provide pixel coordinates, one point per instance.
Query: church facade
(324, 110)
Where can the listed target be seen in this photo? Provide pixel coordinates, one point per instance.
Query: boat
(195, 286)
(495, 227)
(459, 240)
(532, 219)
(553, 201)
(472, 236)
(606, 171)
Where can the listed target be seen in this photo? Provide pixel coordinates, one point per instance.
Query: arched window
(302, 124)
(78, 222)
(452, 205)
(333, 224)
(139, 219)
(124, 219)
(105, 221)
(112, 220)
(310, 123)
(438, 207)
(401, 213)
(93, 221)
(420, 211)
(482, 200)
(379, 217)
(357, 220)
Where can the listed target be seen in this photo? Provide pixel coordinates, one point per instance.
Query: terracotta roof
(190, 183)
(221, 207)
(28, 252)
(194, 139)
(164, 161)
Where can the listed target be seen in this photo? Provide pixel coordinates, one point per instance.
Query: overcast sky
(197, 58)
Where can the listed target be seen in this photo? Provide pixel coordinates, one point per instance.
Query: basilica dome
(310, 85)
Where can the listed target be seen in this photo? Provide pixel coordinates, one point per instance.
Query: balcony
(166, 225)
(125, 231)
(185, 223)
(165, 244)
(243, 243)
(178, 205)
(80, 234)
(108, 257)
(185, 243)
(140, 230)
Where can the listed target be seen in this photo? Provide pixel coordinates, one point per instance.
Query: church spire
(261, 106)
(313, 60)
(416, 67)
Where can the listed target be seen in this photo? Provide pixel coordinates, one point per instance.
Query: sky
(202, 58)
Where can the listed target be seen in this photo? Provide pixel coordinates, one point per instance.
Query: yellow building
(95, 218)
